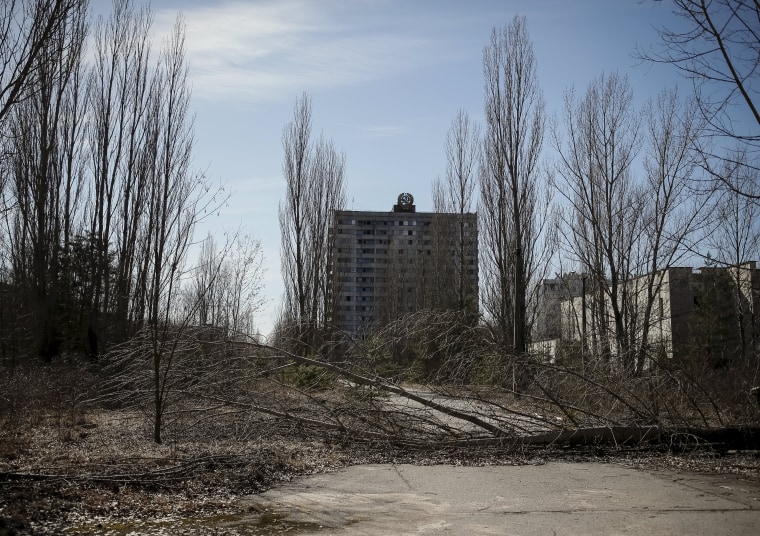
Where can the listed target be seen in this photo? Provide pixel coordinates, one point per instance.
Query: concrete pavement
(556, 498)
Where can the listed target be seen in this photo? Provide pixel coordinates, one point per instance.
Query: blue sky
(385, 78)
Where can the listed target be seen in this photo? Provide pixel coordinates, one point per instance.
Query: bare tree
(42, 138)
(603, 215)
(243, 293)
(673, 213)
(514, 110)
(26, 29)
(734, 239)
(122, 161)
(314, 190)
(177, 199)
(225, 290)
(293, 215)
(455, 195)
(719, 51)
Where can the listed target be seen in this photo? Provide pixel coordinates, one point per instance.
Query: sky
(385, 78)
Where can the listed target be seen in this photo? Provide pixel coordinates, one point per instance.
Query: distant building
(712, 311)
(551, 294)
(383, 265)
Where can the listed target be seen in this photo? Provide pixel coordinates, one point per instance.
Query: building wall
(551, 293)
(708, 312)
(386, 264)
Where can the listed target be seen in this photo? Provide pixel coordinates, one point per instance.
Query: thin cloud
(262, 50)
(380, 131)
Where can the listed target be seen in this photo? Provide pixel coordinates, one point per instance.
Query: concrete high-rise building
(386, 264)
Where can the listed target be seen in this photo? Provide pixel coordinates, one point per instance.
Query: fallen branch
(395, 389)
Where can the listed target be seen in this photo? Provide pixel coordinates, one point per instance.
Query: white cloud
(263, 49)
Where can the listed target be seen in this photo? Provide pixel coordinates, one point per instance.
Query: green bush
(310, 377)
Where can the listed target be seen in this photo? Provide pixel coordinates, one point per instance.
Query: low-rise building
(677, 312)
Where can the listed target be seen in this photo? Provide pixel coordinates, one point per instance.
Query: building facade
(710, 312)
(550, 295)
(387, 264)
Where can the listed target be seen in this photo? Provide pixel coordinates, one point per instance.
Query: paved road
(556, 498)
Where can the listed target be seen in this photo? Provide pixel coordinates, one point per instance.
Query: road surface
(555, 498)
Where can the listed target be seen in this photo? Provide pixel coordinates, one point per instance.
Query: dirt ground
(101, 468)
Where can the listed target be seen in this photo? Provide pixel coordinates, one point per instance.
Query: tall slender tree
(122, 161)
(44, 127)
(315, 188)
(455, 195)
(175, 196)
(509, 182)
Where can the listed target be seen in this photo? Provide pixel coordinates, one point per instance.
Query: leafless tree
(225, 290)
(510, 174)
(463, 148)
(204, 288)
(121, 91)
(175, 203)
(314, 177)
(293, 215)
(626, 232)
(673, 212)
(245, 273)
(734, 239)
(602, 217)
(175, 200)
(718, 49)
(42, 142)
(26, 29)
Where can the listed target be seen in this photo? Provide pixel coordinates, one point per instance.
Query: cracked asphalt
(555, 498)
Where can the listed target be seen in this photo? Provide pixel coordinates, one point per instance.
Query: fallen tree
(493, 423)
(372, 391)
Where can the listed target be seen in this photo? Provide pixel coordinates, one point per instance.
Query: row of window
(379, 251)
(382, 260)
(357, 308)
(357, 319)
(372, 232)
(357, 289)
(377, 223)
(360, 298)
(371, 270)
(401, 223)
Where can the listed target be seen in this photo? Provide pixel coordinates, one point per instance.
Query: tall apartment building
(386, 264)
